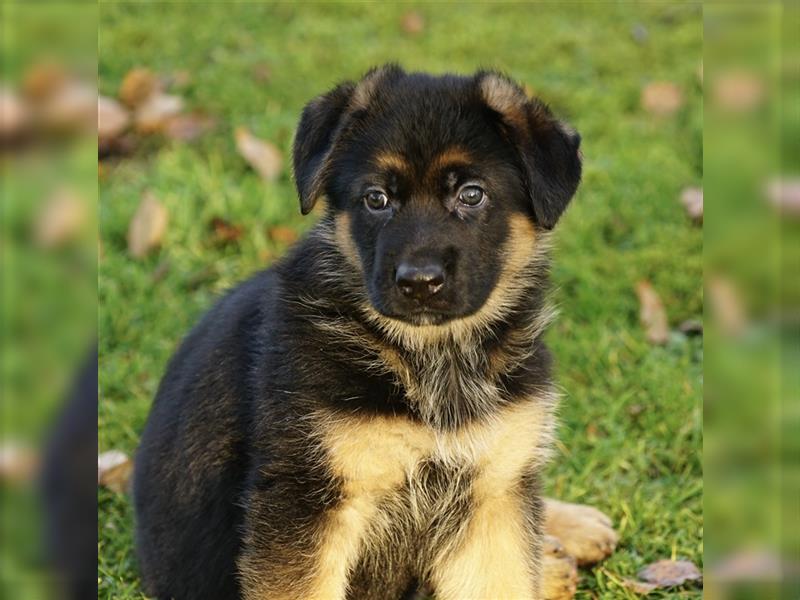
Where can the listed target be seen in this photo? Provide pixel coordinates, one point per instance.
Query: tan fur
(586, 533)
(390, 161)
(493, 561)
(365, 90)
(559, 571)
(376, 455)
(452, 156)
(505, 97)
(344, 240)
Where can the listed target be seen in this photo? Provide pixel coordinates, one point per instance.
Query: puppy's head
(437, 185)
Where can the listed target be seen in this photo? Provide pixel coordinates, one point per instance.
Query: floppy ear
(548, 148)
(313, 141)
(320, 125)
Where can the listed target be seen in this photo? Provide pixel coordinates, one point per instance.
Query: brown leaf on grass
(749, 565)
(282, 235)
(738, 91)
(662, 98)
(14, 114)
(147, 227)
(639, 587)
(784, 195)
(60, 219)
(18, 463)
(187, 128)
(154, 114)
(692, 200)
(652, 315)
(112, 118)
(72, 107)
(225, 232)
(43, 80)
(726, 305)
(412, 22)
(137, 86)
(670, 573)
(263, 156)
(114, 470)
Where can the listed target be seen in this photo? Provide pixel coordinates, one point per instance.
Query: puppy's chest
(379, 455)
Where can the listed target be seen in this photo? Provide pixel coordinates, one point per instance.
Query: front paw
(559, 571)
(585, 532)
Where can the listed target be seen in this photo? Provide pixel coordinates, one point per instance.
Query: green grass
(630, 439)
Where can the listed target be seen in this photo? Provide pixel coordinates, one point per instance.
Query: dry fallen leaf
(738, 91)
(692, 200)
(726, 305)
(263, 156)
(147, 226)
(187, 128)
(153, 115)
(749, 565)
(639, 587)
(412, 23)
(137, 86)
(662, 98)
(43, 80)
(18, 463)
(282, 235)
(784, 195)
(14, 114)
(71, 107)
(225, 232)
(669, 573)
(652, 315)
(114, 470)
(112, 118)
(60, 219)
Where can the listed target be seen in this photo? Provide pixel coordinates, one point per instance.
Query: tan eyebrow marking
(391, 161)
(450, 157)
(454, 155)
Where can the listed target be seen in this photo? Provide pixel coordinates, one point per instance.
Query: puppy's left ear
(313, 141)
(548, 148)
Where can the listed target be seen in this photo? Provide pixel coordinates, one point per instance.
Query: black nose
(420, 281)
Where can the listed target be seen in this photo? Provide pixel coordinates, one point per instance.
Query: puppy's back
(191, 463)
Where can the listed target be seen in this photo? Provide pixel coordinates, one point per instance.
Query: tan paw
(585, 532)
(559, 571)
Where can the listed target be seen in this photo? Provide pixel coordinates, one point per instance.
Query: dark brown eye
(471, 195)
(376, 200)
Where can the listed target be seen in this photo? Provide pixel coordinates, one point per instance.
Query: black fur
(230, 475)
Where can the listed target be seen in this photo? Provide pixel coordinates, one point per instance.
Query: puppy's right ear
(319, 126)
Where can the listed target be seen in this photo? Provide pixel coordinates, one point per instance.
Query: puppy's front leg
(585, 532)
(497, 556)
(298, 545)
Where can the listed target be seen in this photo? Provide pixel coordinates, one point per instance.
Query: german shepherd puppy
(372, 413)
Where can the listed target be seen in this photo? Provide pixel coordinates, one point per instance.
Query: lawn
(631, 431)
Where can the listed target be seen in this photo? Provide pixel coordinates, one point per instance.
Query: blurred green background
(630, 441)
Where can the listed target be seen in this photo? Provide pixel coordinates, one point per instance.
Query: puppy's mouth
(420, 315)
